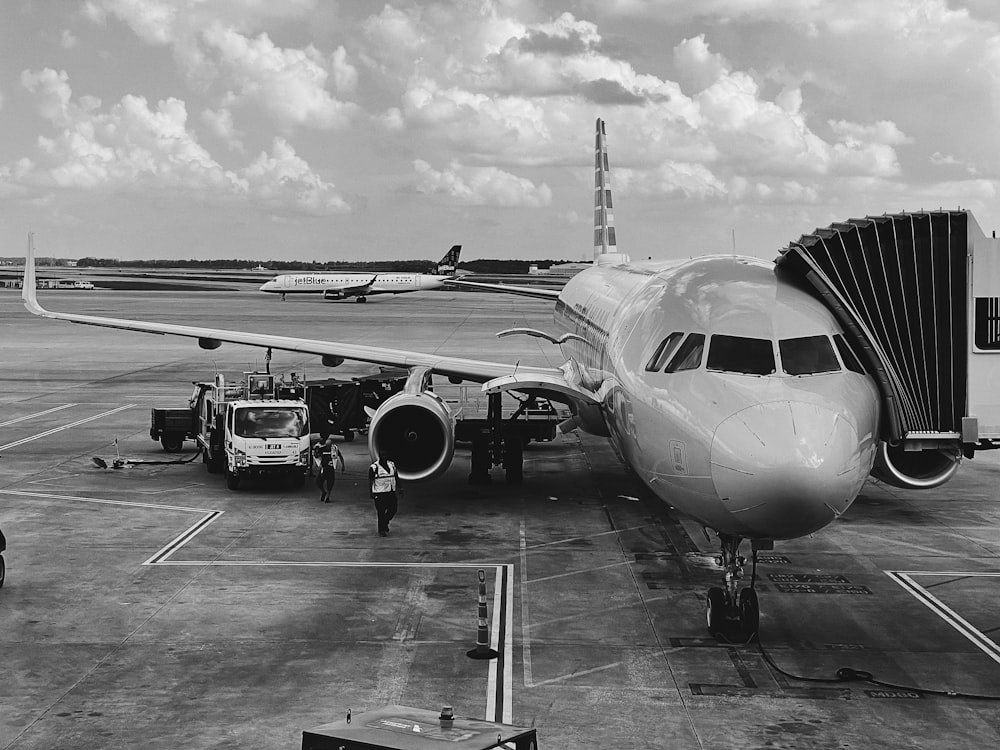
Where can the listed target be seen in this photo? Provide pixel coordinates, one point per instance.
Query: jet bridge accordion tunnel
(918, 296)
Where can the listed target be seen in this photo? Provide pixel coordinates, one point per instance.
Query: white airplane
(364, 285)
(731, 393)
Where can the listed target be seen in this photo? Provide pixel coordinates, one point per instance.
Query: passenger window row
(807, 355)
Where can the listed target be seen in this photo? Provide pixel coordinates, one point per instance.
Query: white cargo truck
(244, 431)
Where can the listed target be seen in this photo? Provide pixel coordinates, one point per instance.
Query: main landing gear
(731, 612)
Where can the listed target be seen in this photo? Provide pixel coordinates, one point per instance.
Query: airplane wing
(355, 290)
(211, 338)
(525, 291)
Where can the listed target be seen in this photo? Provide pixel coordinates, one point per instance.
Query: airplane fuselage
(353, 284)
(738, 432)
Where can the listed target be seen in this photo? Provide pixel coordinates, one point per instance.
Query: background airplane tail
(605, 242)
(448, 265)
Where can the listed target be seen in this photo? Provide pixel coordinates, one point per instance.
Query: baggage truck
(172, 426)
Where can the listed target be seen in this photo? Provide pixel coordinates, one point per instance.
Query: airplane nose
(785, 469)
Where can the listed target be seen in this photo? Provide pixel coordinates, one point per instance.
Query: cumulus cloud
(516, 93)
(220, 124)
(900, 17)
(213, 43)
(134, 145)
(273, 177)
(671, 178)
(697, 67)
(290, 83)
(882, 131)
(480, 186)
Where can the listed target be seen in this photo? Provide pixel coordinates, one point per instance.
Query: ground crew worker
(384, 482)
(329, 456)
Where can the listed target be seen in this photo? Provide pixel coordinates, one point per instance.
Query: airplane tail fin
(448, 265)
(605, 242)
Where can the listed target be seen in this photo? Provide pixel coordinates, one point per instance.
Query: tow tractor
(405, 728)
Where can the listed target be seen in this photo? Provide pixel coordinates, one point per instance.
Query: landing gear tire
(213, 465)
(715, 610)
(749, 613)
(3, 571)
(480, 471)
(172, 443)
(232, 480)
(513, 460)
(362, 299)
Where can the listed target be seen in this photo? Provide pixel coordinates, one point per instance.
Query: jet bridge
(918, 295)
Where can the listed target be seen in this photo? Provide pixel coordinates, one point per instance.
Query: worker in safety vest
(384, 482)
(326, 457)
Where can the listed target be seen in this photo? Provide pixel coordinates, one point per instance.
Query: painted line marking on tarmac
(970, 633)
(578, 572)
(36, 414)
(71, 481)
(499, 700)
(525, 623)
(596, 612)
(588, 536)
(529, 681)
(65, 427)
(571, 675)
(883, 540)
(499, 683)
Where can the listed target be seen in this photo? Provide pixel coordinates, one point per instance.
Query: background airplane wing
(347, 291)
(210, 338)
(525, 291)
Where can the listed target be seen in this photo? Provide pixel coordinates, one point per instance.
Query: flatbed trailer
(499, 427)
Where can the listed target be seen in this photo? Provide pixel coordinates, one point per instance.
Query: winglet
(28, 285)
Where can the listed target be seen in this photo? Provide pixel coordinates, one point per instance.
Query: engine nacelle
(915, 470)
(418, 431)
(333, 294)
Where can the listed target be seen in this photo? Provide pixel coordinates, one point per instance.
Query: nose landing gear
(731, 612)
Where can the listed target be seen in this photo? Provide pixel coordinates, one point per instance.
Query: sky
(362, 130)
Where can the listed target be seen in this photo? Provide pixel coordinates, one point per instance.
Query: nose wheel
(733, 613)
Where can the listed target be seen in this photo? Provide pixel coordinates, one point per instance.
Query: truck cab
(243, 431)
(266, 436)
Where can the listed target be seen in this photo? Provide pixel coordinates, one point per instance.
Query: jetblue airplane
(363, 285)
(730, 392)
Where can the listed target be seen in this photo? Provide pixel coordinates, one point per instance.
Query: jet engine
(333, 294)
(418, 431)
(915, 470)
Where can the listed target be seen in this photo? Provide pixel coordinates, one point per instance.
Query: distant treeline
(416, 266)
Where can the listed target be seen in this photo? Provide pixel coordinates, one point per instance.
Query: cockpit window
(807, 355)
(688, 356)
(742, 355)
(663, 352)
(851, 361)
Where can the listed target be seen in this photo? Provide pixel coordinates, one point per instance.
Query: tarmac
(149, 606)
